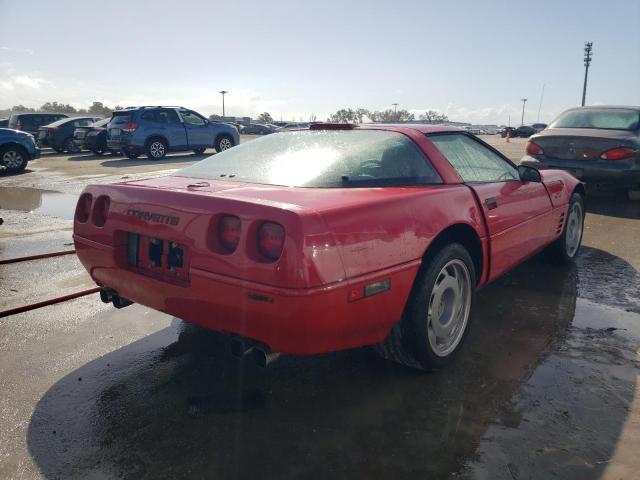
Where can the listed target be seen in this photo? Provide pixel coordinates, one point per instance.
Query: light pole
(588, 46)
(223, 92)
(395, 111)
(523, 100)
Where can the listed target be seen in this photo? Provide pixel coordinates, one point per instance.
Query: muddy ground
(545, 387)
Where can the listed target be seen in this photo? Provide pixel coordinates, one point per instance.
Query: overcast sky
(473, 60)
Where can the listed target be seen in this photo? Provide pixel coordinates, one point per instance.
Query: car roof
(606, 107)
(37, 114)
(62, 121)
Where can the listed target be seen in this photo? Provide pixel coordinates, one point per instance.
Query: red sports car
(330, 238)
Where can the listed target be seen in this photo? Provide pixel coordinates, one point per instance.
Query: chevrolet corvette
(335, 237)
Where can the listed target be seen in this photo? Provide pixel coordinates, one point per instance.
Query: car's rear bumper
(619, 174)
(295, 321)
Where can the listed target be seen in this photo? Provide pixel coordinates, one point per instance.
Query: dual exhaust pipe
(259, 353)
(240, 347)
(107, 295)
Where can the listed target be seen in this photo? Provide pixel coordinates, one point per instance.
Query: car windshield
(322, 158)
(606, 118)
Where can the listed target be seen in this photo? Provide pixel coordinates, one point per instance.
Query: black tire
(97, 151)
(114, 152)
(409, 341)
(156, 149)
(563, 250)
(70, 146)
(224, 142)
(199, 151)
(13, 158)
(58, 149)
(131, 155)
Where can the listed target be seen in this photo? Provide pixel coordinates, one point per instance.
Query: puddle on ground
(35, 200)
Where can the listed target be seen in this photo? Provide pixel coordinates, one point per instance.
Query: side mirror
(529, 174)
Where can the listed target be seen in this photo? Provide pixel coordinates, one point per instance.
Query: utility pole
(523, 100)
(395, 110)
(540, 106)
(588, 46)
(223, 93)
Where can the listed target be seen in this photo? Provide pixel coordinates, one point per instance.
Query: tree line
(349, 115)
(96, 108)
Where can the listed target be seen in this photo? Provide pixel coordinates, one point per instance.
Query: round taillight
(100, 211)
(534, 149)
(83, 208)
(271, 240)
(229, 228)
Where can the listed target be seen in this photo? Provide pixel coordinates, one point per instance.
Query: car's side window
(473, 161)
(191, 118)
(168, 116)
(149, 116)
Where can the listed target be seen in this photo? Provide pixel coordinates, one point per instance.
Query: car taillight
(229, 232)
(83, 208)
(271, 240)
(100, 211)
(618, 153)
(130, 127)
(534, 149)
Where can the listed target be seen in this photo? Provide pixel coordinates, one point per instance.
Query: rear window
(608, 119)
(121, 117)
(324, 159)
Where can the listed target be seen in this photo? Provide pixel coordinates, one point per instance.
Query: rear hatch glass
(605, 118)
(120, 118)
(323, 158)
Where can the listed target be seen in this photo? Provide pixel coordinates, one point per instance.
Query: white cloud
(28, 51)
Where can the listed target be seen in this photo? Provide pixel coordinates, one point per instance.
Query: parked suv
(59, 135)
(156, 131)
(16, 149)
(31, 122)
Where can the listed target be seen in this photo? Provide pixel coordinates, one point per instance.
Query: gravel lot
(546, 386)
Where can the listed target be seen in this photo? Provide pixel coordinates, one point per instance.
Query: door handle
(491, 203)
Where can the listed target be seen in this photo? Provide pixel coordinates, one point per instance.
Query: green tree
(22, 108)
(265, 117)
(348, 115)
(433, 116)
(215, 118)
(56, 107)
(389, 115)
(98, 108)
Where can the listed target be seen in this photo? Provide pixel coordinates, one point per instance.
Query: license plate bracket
(162, 259)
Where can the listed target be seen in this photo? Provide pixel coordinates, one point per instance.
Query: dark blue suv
(156, 131)
(16, 149)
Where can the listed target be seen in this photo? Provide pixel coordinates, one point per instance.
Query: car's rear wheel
(199, 151)
(567, 246)
(225, 142)
(13, 159)
(70, 146)
(58, 149)
(436, 318)
(156, 149)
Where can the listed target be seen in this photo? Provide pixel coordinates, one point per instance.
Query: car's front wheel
(156, 149)
(436, 319)
(567, 246)
(225, 142)
(13, 159)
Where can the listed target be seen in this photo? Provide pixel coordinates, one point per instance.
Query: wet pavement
(546, 385)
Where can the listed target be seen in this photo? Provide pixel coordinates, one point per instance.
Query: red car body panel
(337, 242)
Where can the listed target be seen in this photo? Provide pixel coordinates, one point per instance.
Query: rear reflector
(83, 208)
(534, 149)
(618, 153)
(100, 211)
(364, 291)
(271, 240)
(229, 232)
